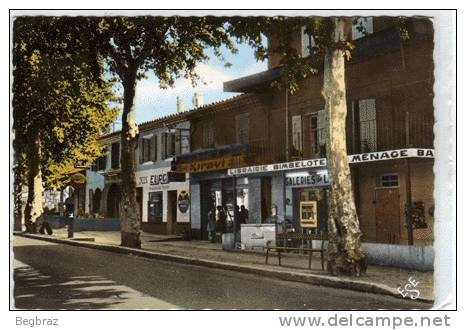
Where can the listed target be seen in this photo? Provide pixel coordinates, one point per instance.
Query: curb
(314, 279)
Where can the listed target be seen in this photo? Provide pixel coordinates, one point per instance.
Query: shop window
(115, 155)
(389, 180)
(242, 128)
(297, 136)
(362, 26)
(365, 113)
(208, 134)
(155, 207)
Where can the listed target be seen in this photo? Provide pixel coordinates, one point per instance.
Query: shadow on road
(33, 290)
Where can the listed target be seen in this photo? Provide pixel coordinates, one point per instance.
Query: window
(314, 134)
(388, 180)
(208, 134)
(362, 26)
(365, 112)
(242, 128)
(306, 42)
(168, 144)
(183, 140)
(102, 163)
(322, 128)
(296, 133)
(148, 149)
(115, 155)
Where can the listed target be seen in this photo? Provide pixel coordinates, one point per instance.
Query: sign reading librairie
(322, 162)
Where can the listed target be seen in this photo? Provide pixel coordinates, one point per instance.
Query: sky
(153, 102)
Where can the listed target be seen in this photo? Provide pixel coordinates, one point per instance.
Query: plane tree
(60, 105)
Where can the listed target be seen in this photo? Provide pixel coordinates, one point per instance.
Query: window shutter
(141, 151)
(178, 141)
(322, 124)
(154, 148)
(164, 145)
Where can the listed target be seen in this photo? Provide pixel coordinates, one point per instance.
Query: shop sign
(154, 180)
(176, 176)
(322, 162)
(183, 201)
(309, 179)
(212, 164)
(296, 165)
(308, 214)
(391, 154)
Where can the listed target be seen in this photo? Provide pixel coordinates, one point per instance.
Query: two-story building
(162, 195)
(266, 148)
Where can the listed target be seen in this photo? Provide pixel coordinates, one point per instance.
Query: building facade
(162, 195)
(265, 149)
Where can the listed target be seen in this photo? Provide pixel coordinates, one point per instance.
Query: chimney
(197, 100)
(179, 104)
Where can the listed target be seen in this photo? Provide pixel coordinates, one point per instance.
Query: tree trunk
(18, 201)
(345, 253)
(130, 227)
(33, 211)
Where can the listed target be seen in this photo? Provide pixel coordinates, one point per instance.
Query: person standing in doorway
(211, 224)
(221, 221)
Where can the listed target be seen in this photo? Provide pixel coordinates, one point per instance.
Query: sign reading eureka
(154, 180)
(322, 162)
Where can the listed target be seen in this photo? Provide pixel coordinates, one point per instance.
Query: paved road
(56, 276)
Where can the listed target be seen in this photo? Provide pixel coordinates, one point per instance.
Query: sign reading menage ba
(322, 162)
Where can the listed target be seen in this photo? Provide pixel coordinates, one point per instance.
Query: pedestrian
(221, 221)
(69, 214)
(244, 214)
(211, 225)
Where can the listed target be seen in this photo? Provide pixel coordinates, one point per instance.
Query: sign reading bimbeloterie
(322, 162)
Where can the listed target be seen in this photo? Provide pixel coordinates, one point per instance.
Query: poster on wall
(308, 214)
(183, 201)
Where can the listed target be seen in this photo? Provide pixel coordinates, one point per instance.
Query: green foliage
(59, 93)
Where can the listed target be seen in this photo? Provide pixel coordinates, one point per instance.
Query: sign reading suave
(212, 164)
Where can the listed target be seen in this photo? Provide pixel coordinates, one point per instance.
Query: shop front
(393, 194)
(163, 198)
(211, 187)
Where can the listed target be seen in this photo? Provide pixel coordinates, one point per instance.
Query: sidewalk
(378, 279)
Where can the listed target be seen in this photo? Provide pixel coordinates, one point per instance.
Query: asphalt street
(56, 276)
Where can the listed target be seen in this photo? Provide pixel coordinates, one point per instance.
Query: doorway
(113, 201)
(171, 211)
(387, 215)
(139, 202)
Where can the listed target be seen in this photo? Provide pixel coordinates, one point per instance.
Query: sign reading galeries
(322, 162)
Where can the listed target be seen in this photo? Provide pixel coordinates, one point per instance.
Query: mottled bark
(18, 202)
(130, 227)
(34, 209)
(345, 253)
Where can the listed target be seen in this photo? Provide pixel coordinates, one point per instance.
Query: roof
(179, 117)
(254, 81)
